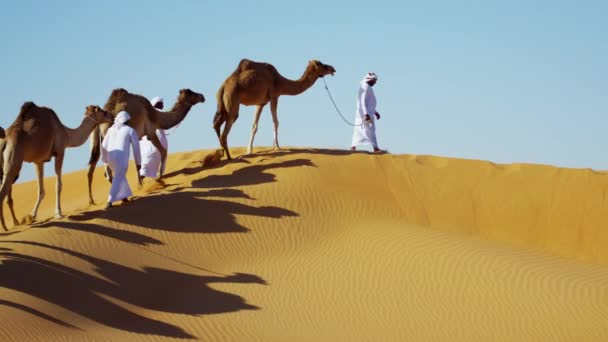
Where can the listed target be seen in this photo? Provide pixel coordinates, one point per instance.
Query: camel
(145, 119)
(36, 136)
(255, 83)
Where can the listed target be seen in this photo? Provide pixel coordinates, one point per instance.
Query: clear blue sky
(506, 81)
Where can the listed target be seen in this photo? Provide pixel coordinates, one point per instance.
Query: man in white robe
(115, 152)
(365, 129)
(150, 155)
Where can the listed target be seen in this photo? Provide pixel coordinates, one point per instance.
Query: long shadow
(296, 151)
(187, 211)
(150, 288)
(199, 167)
(121, 235)
(37, 313)
(249, 175)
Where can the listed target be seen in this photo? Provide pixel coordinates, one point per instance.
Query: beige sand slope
(308, 244)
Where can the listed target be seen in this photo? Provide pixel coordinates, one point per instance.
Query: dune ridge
(315, 244)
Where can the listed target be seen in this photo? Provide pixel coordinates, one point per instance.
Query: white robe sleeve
(135, 142)
(104, 148)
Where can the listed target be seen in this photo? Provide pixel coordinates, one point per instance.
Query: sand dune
(313, 244)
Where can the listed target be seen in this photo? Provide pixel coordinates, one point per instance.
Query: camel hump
(26, 107)
(245, 64)
(115, 96)
(24, 112)
(119, 91)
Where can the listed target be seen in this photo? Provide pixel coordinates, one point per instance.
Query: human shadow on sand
(187, 212)
(149, 288)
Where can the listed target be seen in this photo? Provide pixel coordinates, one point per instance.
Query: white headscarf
(122, 117)
(370, 76)
(156, 100)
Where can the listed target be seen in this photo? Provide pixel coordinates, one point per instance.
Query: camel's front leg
(13, 159)
(58, 166)
(4, 190)
(9, 201)
(40, 173)
(273, 109)
(254, 129)
(224, 137)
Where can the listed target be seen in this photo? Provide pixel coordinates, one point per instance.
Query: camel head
(189, 97)
(98, 115)
(320, 69)
(2, 135)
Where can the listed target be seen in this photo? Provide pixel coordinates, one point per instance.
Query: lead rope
(362, 125)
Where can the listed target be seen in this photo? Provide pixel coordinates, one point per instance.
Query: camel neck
(78, 136)
(291, 87)
(173, 117)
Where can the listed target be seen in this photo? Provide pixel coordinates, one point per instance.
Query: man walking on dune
(115, 150)
(365, 129)
(150, 155)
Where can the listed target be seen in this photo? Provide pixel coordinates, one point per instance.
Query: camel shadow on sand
(245, 158)
(184, 212)
(202, 208)
(205, 207)
(87, 295)
(250, 175)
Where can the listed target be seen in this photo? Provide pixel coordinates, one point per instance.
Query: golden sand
(315, 245)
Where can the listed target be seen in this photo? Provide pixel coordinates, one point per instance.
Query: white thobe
(366, 104)
(150, 155)
(115, 151)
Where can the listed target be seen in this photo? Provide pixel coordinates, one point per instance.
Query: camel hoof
(58, 216)
(28, 219)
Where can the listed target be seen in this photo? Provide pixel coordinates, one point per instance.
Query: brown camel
(36, 136)
(145, 119)
(254, 83)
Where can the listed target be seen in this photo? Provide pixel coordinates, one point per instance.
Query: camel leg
(13, 159)
(218, 120)
(96, 138)
(11, 207)
(163, 153)
(254, 129)
(95, 153)
(224, 137)
(273, 109)
(5, 191)
(40, 173)
(58, 166)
